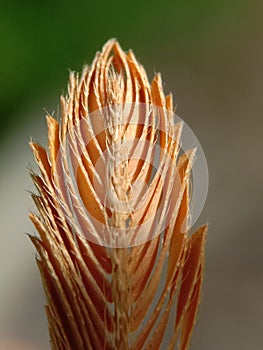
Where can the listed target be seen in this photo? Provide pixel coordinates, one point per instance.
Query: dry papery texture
(116, 296)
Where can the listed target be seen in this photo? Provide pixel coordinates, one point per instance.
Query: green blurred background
(210, 54)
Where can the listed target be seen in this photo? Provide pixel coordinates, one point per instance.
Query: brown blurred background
(210, 54)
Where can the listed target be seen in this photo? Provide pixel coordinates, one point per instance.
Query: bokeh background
(210, 54)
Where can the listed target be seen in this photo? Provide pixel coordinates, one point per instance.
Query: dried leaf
(114, 277)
